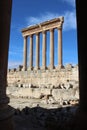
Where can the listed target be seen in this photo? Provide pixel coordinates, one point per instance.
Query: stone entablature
(50, 25)
(45, 26)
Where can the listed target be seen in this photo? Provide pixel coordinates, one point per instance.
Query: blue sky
(30, 12)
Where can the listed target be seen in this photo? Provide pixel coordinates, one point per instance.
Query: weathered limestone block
(26, 85)
(51, 100)
(65, 94)
(68, 66)
(77, 93)
(45, 91)
(42, 86)
(31, 92)
(37, 78)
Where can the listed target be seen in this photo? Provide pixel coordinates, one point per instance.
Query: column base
(24, 69)
(51, 67)
(6, 115)
(30, 68)
(59, 67)
(43, 68)
(36, 68)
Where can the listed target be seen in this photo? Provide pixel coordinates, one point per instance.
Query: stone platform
(47, 78)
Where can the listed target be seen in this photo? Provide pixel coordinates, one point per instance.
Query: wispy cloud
(43, 17)
(69, 19)
(71, 2)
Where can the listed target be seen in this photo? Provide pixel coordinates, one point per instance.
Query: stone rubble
(38, 118)
(45, 103)
(46, 107)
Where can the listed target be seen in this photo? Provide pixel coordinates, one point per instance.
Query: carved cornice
(47, 25)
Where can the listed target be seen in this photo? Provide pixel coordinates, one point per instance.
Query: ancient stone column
(82, 56)
(6, 111)
(51, 48)
(25, 54)
(44, 51)
(31, 53)
(60, 47)
(37, 51)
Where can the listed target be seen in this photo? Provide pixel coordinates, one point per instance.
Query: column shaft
(37, 51)
(6, 111)
(60, 47)
(81, 120)
(44, 51)
(31, 53)
(82, 55)
(51, 49)
(25, 54)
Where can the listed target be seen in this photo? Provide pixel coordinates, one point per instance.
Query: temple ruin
(34, 81)
(42, 75)
(6, 112)
(50, 25)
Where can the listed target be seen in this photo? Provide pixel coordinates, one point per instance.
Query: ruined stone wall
(42, 77)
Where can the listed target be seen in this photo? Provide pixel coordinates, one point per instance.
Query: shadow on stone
(38, 118)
